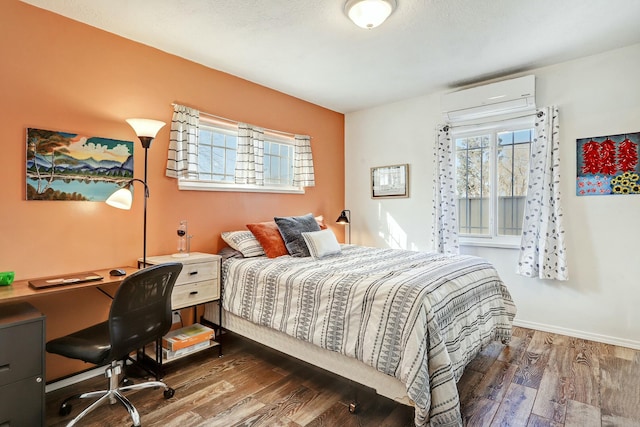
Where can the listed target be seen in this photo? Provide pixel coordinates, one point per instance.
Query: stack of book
(183, 341)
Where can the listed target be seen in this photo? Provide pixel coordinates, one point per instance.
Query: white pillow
(243, 241)
(321, 243)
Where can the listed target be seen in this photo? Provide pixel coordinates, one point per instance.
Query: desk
(20, 289)
(198, 283)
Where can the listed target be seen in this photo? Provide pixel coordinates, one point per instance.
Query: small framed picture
(390, 181)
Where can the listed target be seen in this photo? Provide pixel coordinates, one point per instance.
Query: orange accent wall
(59, 74)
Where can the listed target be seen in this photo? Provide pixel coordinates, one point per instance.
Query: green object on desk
(6, 278)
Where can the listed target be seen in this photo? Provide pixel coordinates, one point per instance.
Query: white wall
(597, 95)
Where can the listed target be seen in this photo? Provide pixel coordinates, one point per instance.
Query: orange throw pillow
(268, 234)
(321, 223)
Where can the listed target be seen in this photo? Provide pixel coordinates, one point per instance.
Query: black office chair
(140, 314)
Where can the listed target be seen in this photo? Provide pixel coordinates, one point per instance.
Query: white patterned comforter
(416, 316)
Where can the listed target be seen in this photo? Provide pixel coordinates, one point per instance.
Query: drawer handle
(193, 293)
(193, 273)
(2, 369)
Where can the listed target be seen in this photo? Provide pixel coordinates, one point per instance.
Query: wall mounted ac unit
(505, 97)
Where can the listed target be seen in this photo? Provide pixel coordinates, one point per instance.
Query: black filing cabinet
(22, 379)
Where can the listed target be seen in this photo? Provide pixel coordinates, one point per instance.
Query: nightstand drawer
(194, 293)
(197, 272)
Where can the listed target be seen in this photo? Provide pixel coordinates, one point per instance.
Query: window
(217, 149)
(492, 169)
(278, 162)
(216, 161)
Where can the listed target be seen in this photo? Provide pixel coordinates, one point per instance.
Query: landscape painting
(608, 165)
(69, 166)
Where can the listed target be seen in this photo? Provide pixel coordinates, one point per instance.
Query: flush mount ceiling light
(369, 13)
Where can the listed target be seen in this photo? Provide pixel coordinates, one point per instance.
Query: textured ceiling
(310, 49)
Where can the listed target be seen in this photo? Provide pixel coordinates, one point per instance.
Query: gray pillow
(291, 229)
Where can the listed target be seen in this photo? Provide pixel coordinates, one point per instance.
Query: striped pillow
(321, 243)
(243, 241)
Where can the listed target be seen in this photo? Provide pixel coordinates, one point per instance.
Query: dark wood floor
(539, 379)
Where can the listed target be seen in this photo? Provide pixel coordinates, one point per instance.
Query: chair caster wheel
(168, 393)
(353, 407)
(65, 409)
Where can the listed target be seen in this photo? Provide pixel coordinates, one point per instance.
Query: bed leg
(354, 405)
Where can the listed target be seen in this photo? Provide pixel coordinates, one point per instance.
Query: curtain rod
(277, 132)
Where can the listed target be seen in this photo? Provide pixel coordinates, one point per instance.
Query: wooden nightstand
(198, 283)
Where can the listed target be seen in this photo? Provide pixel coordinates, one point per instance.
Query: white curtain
(445, 227)
(250, 155)
(182, 159)
(542, 249)
(303, 172)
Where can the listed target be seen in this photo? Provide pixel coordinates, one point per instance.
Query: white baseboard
(579, 334)
(75, 379)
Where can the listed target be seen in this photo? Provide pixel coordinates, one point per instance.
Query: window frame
(272, 138)
(226, 130)
(493, 239)
(212, 185)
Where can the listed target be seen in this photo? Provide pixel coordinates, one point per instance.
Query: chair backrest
(141, 308)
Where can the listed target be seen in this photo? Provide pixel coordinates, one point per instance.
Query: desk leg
(152, 365)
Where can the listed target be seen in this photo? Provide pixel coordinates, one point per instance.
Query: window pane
(513, 171)
(522, 136)
(216, 154)
(461, 173)
(267, 167)
(232, 143)
(473, 184)
(284, 170)
(274, 170)
(478, 141)
(231, 162)
(205, 136)
(218, 139)
(521, 164)
(505, 170)
(278, 160)
(204, 159)
(505, 138)
(218, 160)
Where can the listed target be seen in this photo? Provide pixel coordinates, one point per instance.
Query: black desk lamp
(146, 130)
(345, 218)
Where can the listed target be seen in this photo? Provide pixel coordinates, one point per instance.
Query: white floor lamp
(146, 130)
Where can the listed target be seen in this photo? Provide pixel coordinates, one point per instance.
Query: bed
(402, 322)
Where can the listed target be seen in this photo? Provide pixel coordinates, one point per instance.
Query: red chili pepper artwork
(608, 165)
(591, 156)
(627, 155)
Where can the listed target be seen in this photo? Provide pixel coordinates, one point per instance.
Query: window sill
(209, 186)
(487, 243)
